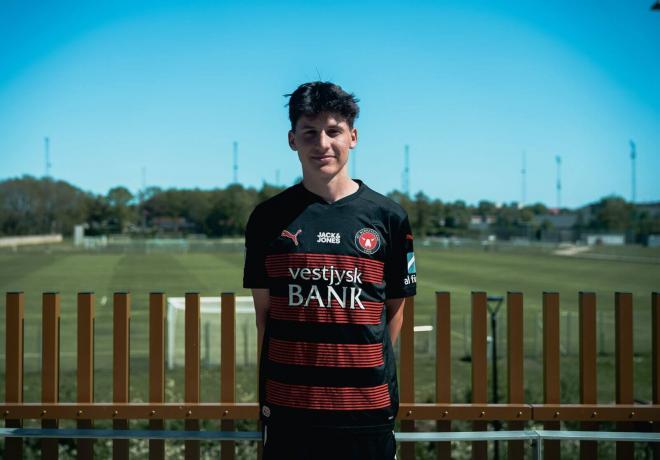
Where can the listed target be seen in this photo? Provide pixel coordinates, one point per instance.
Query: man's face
(322, 143)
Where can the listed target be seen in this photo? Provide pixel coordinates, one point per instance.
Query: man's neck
(331, 190)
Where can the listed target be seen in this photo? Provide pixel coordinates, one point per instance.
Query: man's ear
(354, 137)
(292, 140)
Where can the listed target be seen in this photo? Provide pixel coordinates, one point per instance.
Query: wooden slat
(655, 352)
(156, 368)
(407, 366)
(479, 365)
(551, 385)
(655, 357)
(14, 314)
(85, 368)
(623, 339)
(50, 365)
(588, 382)
(120, 366)
(227, 365)
(515, 366)
(443, 364)
(192, 368)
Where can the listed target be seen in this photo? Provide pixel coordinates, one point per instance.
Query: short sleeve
(400, 269)
(254, 270)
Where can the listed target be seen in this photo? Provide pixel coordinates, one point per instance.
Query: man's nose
(324, 140)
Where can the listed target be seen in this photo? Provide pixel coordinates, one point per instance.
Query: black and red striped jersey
(327, 359)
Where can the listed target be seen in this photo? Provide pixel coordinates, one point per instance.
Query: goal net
(210, 323)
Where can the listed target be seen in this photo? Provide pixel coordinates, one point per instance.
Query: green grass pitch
(456, 270)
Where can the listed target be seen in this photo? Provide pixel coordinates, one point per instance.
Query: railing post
(14, 328)
(551, 394)
(515, 365)
(623, 339)
(192, 365)
(50, 366)
(227, 364)
(156, 368)
(85, 372)
(479, 366)
(443, 365)
(120, 367)
(588, 382)
(655, 357)
(407, 366)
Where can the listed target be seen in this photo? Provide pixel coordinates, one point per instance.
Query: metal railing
(535, 436)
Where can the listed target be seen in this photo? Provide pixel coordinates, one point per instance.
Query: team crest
(367, 240)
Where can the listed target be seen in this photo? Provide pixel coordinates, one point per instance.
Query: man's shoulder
(385, 205)
(277, 202)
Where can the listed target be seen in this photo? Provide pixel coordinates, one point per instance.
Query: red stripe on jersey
(277, 265)
(325, 354)
(279, 308)
(329, 398)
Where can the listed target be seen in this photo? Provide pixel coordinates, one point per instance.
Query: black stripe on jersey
(325, 332)
(326, 376)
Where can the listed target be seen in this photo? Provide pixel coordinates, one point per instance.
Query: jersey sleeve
(400, 269)
(254, 270)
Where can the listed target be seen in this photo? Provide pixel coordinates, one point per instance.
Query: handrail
(454, 436)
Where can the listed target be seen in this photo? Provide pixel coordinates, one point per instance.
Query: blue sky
(470, 86)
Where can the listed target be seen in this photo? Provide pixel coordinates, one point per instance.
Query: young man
(329, 262)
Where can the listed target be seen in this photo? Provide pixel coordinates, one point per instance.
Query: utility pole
(235, 162)
(558, 160)
(405, 181)
(47, 154)
(633, 158)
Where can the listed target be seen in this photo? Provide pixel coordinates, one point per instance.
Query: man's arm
(261, 299)
(394, 317)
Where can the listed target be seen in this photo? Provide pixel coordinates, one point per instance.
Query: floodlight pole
(493, 309)
(47, 154)
(235, 162)
(406, 171)
(558, 160)
(523, 173)
(633, 184)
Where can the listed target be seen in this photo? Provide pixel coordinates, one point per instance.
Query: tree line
(30, 205)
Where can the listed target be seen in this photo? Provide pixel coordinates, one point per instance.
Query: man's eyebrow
(308, 126)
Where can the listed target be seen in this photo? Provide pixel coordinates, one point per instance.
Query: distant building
(606, 239)
(171, 224)
(653, 241)
(556, 227)
(481, 223)
(653, 209)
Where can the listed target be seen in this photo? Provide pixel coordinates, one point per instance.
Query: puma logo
(292, 236)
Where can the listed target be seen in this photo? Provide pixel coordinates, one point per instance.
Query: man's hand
(261, 299)
(394, 317)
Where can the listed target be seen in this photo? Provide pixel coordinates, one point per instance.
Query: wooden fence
(516, 412)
